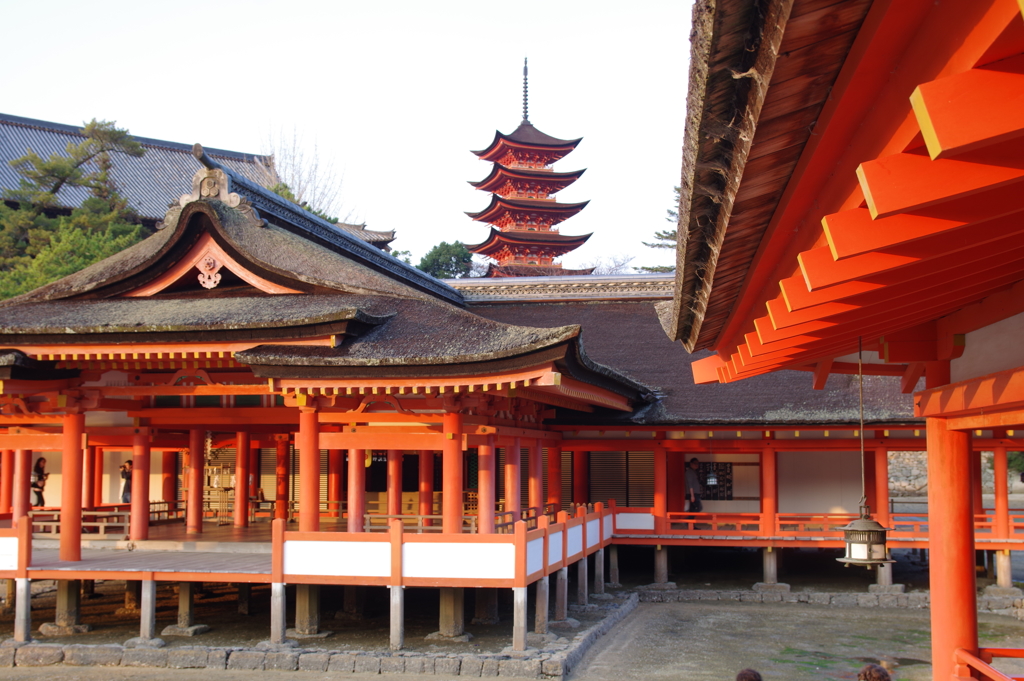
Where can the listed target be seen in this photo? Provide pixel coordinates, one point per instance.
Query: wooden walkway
(163, 563)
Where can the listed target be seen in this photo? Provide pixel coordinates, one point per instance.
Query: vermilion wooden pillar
(356, 489)
(674, 468)
(6, 481)
(282, 462)
(451, 469)
(242, 471)
(335, 480)
(1002, 510)
(97, 480)
(394, 482)
(89, 489)
(168, 473)
(977, 502)
(513, 481)
(660, 489)
(881, 507)
(580, 477)
(72, 452)
(138, 530)
(196, 480)
(20, 502)
(535, 469)
(426, 486)
(555, 476)
(254, 470)
(308, 441)
(769, 491)
(954, 608)
(486, 485)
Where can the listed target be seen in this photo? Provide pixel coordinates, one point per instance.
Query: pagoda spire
(526, 92)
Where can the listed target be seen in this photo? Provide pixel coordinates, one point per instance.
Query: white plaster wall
(819, 482)
(993, 348)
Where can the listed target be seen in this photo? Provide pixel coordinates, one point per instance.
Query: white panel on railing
(634, 521)
(337, 558)
(593, 533)
(534, 555)
(555, 547)
(608, 527)
(8, 553)
(459, 561)
(575, 540)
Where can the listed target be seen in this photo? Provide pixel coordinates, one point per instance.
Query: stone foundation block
(366, 664)
(902, 600)
(39, 655)
(283, 662)
(867, 600)
(449, 666)
(730, 595)
(886, 588)
(52, 629)
(314, 662)
(888, 601)
(819, 599)
(772, 597)
(919, 600)
(175, 630)
(553, 667)
(708, 596)
(419, 665)
(471, 666)
(996, 603)
(188, 658)
(7, 656)
(779, 588)
(750, 596)
(392, 665)
(845, 600)
(792, 598)
(341, 662)
(490, 667)
(246, 659)
(144, 657)
(93, 656)
(1003, 592)
(218, 659)
(688, 595)
(524, 669)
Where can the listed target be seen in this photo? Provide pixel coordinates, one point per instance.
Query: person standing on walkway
(693, 487)
(126, 475)
(39, 476)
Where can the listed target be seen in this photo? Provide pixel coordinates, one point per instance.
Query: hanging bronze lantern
(865, 542)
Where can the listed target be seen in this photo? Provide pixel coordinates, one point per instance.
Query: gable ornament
(209, 271)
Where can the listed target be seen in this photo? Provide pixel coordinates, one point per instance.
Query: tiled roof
(148, 183)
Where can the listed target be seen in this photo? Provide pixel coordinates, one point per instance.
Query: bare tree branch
(311, 176)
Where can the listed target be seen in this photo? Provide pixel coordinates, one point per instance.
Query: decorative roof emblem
(210, 183)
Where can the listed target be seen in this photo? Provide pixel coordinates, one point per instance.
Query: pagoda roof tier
(553, 242)
(495, 271)
(500, 206)
(500, 174)
(525, 137)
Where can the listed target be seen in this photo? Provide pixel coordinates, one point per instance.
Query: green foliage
(447, 261)
(404, 256)
(284, 191)
(37, 243)
(1015, 461)
(666, 238)
(75, 243)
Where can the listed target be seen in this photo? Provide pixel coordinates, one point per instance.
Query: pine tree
(447, 261)
(102, 225)
(666, 238)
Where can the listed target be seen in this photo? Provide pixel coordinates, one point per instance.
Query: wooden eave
(923, 240)
(500, 206)
(500, 174)
(770, 74)
(503, 143)
(555, 241)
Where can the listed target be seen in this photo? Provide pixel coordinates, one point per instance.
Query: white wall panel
(634, 521)
(8, 553)
(337, 559)
(819, 482)
(459, 561)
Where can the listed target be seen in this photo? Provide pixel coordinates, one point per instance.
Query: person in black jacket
(126, 475)
(39, 476)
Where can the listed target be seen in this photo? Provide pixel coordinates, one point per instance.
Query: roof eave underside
(744, 139)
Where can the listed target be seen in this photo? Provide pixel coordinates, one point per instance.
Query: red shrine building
(523, 213)
(866, 197)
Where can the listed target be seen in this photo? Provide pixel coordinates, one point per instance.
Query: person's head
(128, 464)
(873, 672)
(695, 464)
(747, 674)
(40, 463)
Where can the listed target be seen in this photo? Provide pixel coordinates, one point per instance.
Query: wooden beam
(821, 371)
(913, 374)
(1001, 391)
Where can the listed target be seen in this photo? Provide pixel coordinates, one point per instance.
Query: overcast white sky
(397, 91)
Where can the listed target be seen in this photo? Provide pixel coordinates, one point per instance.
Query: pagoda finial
(526, 93)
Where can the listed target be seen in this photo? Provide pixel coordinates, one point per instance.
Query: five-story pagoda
(523, 213)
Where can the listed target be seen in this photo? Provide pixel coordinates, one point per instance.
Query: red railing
(970, 667)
